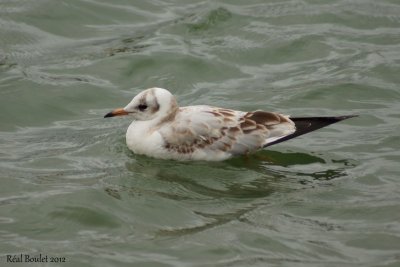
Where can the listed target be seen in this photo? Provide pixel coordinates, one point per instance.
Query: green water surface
(70, 188)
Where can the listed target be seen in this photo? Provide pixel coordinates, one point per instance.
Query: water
(70, 188)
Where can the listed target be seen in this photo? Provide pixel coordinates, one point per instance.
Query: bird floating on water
(162, 129)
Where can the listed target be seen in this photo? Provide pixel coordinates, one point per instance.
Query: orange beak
(116, 112)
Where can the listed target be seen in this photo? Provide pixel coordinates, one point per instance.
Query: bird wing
(225, 130)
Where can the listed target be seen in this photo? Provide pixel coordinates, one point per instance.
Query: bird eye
(142, 107)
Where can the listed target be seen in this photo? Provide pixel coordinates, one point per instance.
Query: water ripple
(70, 187)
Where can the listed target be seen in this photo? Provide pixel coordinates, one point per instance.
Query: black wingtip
(108, 115)
(340, 118)
(308, 124)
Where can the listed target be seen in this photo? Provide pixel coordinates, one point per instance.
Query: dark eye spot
(142, 107)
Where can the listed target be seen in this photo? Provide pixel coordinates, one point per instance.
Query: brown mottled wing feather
(224, 130)
(199, 127)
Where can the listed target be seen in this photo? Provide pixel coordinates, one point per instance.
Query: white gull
(162, 129)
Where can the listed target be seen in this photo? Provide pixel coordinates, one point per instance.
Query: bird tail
(308, 124)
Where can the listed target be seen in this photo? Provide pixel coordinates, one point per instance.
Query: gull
(162, 129)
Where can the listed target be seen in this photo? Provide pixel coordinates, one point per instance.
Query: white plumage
(162, 129)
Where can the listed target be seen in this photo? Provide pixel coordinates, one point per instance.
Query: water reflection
(219, 193)
(243, 177)
(284, 159)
